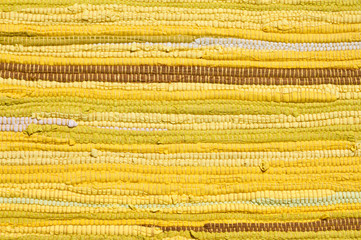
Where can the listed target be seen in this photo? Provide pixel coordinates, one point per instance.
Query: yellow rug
(184, 119)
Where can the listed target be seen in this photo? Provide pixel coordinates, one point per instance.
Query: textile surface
(185, 119)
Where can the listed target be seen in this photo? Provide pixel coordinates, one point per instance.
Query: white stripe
(197, 43)
(19, 124)
(265, 45)
(255, 45)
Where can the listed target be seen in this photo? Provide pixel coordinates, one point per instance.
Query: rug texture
(180, 119)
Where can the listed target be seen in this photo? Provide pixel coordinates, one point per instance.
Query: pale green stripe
(86, 134)
(24, 107)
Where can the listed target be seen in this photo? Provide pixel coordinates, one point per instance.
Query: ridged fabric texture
(179, 120)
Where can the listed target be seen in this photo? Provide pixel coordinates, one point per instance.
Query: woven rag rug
(180, 119)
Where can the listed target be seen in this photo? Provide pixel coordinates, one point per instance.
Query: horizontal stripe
(185, 219)
(86, 194)
(23, 127)
(176, 148)
(81, 135)
(335, 33)
(11, 84)
(230, 159)
(195, 127)
(139, 16)
(50, 13)
(89, 229)
(292, 198)
(295, 95)
(144, 117)
(227, 174)
(197, 44)
(207, 53)
(160, 223)
(206, 4)
(264, 202)
(101, 78)
(150, 121)
(211, 61)
(195, 210)
(48, 40)
(217, 125)
(189, 235)
(83, 108)
(101, 188)
(323, 225)
(185, 70)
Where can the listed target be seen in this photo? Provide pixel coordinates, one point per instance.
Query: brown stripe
(183, 70)
(168, 78)
(316, 226)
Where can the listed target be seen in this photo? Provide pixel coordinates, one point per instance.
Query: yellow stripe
(138, 15)
(66, 195)
(191, 218)
(8, 58)
(130, 170)
(117, 117)
(71, 146)
(297, 95)
(189, 209)
(194, 190)
(126, 230)
(220, 53)
(340, 32)
(234, 159)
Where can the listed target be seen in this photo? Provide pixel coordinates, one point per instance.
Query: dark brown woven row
(314, 226)
(183, 70)
(169, 78)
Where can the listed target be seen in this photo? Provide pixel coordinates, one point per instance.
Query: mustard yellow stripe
(71, 146)
(325, 23)
(86, 109)
(66, 195)
(98, 14)
(218, 189)
(343, 92)
(303, 94)
(197, 55)
(210, 52)
(189, 209)
(348, 32)
(184, 180)
(193, 189)
(92, 222)
(353, 64)
(54, 134)
(25, 222)
(192, 218)
(228, 174)
(114, 117)
(182, 92)
(224, 125)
